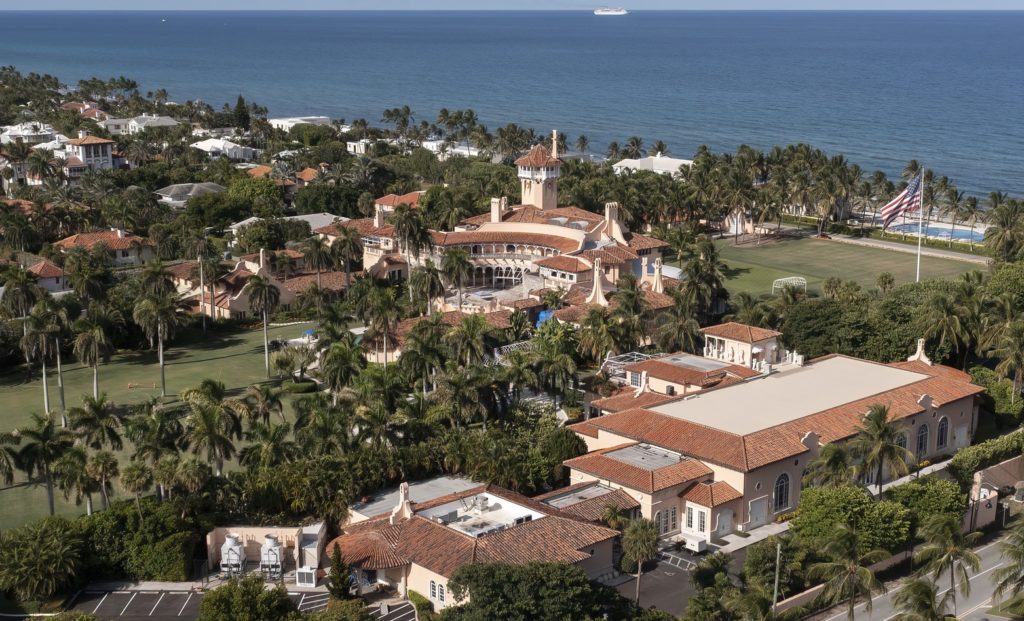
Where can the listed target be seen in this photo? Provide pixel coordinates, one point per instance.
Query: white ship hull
(610, 12)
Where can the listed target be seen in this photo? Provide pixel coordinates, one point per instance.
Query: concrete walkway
(736, 542)
(931, 469)
(938, 253)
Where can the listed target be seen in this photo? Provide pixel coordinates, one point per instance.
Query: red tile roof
(46, 269)
(711, 494)
(538, 157)
(663, 369)
(329, 281)
(111, 239)
(627, 399)
(259, 171)
(411, 199)
(307, 174)
(498, 320)
(592, 508)
(89, 140)
(564, 263)
(601, 465)
(643, 242)
(740, 332)
(465, 238)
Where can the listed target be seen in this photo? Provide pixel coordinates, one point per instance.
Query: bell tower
(538, 173)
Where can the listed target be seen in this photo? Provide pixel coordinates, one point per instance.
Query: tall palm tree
(55, 316)
(947, 548)
(1010, 578)
(971, 213)
(918, 600)
(93, 342)
(264, 297)
(596, 333)
(345, 248)
(945, 321)
(457, 268)
(8, 456)
(211, 424)
(159, 316)
(877, 446)
(72, 478)
(340, 364)
(425, 282)
(639, 545)
(155, 279)
(832, 467)
(263, 401)
(42, 445)
(383, 313)
(136, 479)
(98, 423)
(846, 574)
(103, 467)
(468, 339)
(316, 252)
(677, 329)
(37, 344)
(1009, 350)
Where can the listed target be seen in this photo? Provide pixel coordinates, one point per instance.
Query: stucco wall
(252, 538)
(419, 581)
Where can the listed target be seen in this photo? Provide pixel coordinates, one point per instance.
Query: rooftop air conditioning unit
(696, 545)
(270, 557)
(232, 555)
(670, 390)
(305, 577)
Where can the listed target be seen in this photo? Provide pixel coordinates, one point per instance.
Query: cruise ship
(611, 11)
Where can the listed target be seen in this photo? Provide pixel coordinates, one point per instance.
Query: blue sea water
(946, 88)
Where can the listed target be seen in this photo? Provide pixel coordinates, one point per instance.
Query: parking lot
(168, 605)
(402, 612)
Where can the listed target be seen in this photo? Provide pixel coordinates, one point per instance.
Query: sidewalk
(938, 253)
(933, 468)
(760, 533)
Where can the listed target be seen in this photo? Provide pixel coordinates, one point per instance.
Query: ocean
(946, 88)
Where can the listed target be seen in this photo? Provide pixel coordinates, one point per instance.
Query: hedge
(969, 460)
(424, 609)
(297, 388)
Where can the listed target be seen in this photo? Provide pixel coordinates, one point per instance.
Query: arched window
(901, 440)
(433, 590)
(510, 248)
(478, 249)
(657, 522)
(922, 441)
(942, 435)
(440, 593)
(782, 492)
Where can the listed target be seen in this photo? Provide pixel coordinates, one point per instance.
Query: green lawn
(235, 358)
(753, 268)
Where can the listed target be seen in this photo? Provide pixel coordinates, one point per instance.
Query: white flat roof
(419, 491)
(782, 397)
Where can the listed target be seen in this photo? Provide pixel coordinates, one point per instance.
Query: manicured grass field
(753, 268)
(235, 358)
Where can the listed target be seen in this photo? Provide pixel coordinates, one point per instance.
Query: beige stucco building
(706, 462)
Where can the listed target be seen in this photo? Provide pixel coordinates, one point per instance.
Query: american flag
(907, 200)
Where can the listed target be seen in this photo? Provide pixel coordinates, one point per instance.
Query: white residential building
(287, 123)
(220, 147)
(29, 133)
(661, 164)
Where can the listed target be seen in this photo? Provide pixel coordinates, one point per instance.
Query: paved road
(972, 608)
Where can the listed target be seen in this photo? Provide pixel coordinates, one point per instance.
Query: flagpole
(920, 225)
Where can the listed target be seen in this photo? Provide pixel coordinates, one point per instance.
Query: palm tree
(264, 297)
(159, 316)
(317, 254)
(425, 282)
(947, 548)
(340, 364)
(971, 213)
(155, 279)
(270, 446)
(832, 467)
(468, 339)
(136, 479)
(43, 444)
(102, 467)
(212, 423)
(596, 333)
(456, 266)
(945, 321)
(918, 600)
(37, 344)
(877, 445)
(93, 341)
(383, 313)
(412, 233)
(21, 292)
(56, 319)
(72, 478)
(97, 423)
(1010, 578)
(262, 401)
(639, 545)
(8, 456)
(677, 329)
(1009, 350)
(847, 575)
(345, 248)
(614, 517)
(191, 476)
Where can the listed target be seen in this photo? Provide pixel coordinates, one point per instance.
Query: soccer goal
(791, 281)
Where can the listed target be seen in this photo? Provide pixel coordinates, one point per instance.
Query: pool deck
(925, 251)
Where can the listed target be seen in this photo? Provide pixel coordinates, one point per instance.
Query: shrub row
(973, 458)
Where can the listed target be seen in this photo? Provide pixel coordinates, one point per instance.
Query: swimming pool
(940, 232)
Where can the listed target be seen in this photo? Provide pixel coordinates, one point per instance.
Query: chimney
(120, 233)
(919, 354)
(378, 215)
(554, 143)
(597, 291)
(403, 510)
(612, 226)
(263, 257)
(643, 268)
(82, 133)
(658, 286)
(644, 385)
(495, 210)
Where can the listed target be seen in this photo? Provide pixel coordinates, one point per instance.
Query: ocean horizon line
(507, 10)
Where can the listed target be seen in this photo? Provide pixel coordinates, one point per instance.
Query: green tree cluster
(882, 524)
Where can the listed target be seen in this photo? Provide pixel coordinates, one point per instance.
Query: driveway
(166, 605)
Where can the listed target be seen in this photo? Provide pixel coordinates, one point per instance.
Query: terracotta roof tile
(740, 332)
(627, 399)
(465, 238)
(663, 369)
(411, 199)
(538, 157)
(643, 242)
(89, 140)
(329, 281)
(601, 465)
(564, 263)
(592, 508)
(46, 269)
(711, 494)
(111, 239)
(307, 174)
(259, 171)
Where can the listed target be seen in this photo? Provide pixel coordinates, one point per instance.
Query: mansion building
(713, 444)
(519, 251)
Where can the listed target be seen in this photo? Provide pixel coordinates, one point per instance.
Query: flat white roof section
(695, 362)
(782, 397)
(419, 491)
(577, 496)
(481, 514)
(645, 456)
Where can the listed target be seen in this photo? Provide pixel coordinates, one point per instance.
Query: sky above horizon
(168, 5)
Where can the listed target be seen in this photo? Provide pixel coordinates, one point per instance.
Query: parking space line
(185, 604)
(301, 599)
(132, 599)
(406, 615)
(157, 604)
(101, 603)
